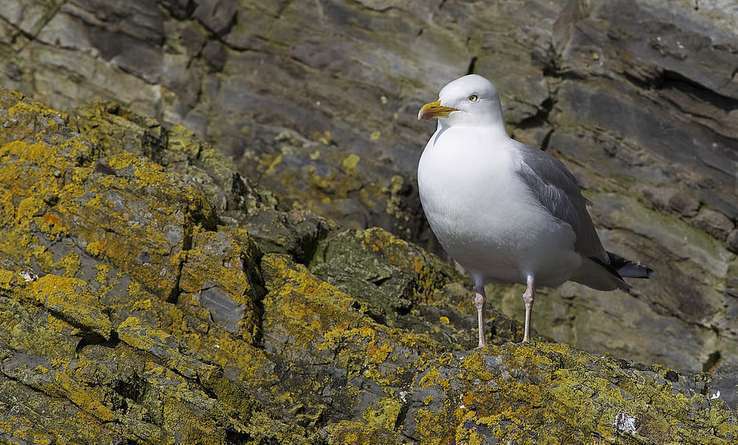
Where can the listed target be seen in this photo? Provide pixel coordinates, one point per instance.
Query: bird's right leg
(528, 297)
(479, 298)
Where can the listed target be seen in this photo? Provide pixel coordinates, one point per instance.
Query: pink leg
(479, 303)
(528, 297)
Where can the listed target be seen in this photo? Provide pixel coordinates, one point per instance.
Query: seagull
(507, 212)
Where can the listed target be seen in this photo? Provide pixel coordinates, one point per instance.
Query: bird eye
(473, 98)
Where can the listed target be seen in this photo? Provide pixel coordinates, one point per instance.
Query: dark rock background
(316, 101)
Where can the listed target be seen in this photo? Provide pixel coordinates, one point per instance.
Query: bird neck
(494, 119)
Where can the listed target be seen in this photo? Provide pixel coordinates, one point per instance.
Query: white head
(468, 101)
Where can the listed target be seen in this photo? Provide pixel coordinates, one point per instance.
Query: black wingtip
(635, 270)
(629, 269)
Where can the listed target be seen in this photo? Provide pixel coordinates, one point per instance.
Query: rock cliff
(315, 102)
(151, 294)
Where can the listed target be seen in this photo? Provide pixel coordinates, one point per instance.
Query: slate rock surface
(316, 103)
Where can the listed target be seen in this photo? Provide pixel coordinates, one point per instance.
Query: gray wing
(559, 192)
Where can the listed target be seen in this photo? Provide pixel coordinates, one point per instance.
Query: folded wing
(556, 189)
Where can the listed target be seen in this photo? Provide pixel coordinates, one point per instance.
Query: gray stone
(733, 241)
(225, 312)
(714, 223)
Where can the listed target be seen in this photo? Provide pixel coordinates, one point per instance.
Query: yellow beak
(434, 110)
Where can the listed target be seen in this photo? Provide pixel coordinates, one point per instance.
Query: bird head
(468, 100)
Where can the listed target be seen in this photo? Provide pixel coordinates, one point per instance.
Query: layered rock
(149, 294)
(317, 102)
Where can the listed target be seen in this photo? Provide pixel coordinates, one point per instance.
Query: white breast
(484, 215)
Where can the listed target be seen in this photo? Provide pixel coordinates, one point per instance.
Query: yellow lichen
(102, 272)
(69, 297)
(95, 248)
(432, 377)
(350, 163)
(29, 208)
(383, 414)
(84, 398)
(70, 263)
(475, 366)
(7, 278)
(378, 353)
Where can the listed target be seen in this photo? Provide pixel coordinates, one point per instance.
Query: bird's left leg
(528, 297)
(479, 297)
